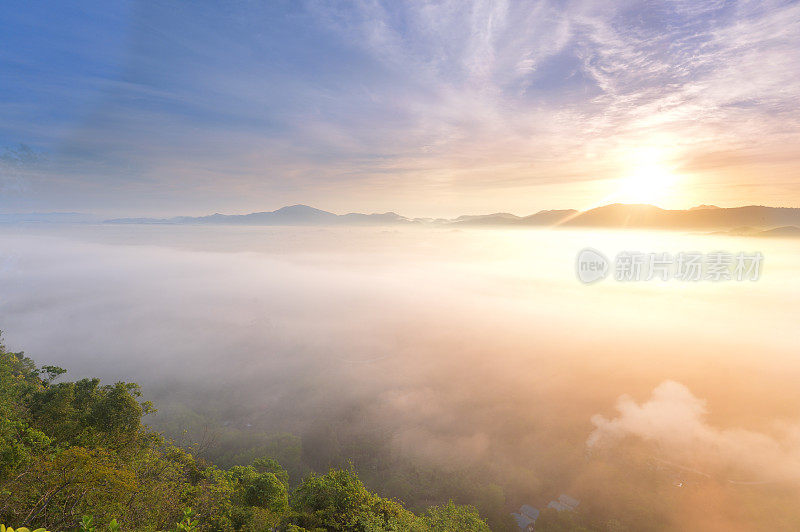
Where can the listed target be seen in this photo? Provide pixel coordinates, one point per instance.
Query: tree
(258, 485)
(453, 517)
(339, 501)
(76, 454)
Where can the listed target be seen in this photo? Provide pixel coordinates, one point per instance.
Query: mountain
(783, 232)
(387, 218)
(650, 217)
(616, 216)
(292, 215)
(500, 218)
(553, 217)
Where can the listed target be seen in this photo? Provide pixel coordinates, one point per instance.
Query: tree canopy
(77, 456)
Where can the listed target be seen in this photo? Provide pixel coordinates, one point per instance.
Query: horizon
(343, 213)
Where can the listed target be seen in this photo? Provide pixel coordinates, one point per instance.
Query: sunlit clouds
(427, 108)
(674, 419)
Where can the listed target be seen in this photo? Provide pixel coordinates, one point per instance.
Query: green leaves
(87, 524)
(262, 485)
(3, 528)
(87, 413)
(188, 524)
(52, 372)
(452, 517)
(339, 500)
(76, 453)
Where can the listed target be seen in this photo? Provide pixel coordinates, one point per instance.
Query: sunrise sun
(646, 184)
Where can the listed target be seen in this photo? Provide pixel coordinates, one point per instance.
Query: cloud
(458, 100)
(17, 166)
(675, 420)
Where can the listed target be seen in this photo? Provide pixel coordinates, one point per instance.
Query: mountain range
(749, 220)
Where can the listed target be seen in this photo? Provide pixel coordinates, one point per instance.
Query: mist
(471, 352)
(675, 419)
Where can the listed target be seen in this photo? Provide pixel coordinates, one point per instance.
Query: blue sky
(425, 108)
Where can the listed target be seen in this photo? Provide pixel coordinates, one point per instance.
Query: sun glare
(646, 184)
(648, 176)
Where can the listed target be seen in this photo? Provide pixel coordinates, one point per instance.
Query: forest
(76, 455)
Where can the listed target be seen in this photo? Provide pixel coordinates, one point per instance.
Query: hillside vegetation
(76, 456)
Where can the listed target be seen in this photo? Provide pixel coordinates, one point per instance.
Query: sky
(423, 108)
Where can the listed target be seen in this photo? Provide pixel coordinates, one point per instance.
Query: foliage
(4, 528)
(189, 523)
(452, 517)
(87, 524)
(76, 455)
(338, 500)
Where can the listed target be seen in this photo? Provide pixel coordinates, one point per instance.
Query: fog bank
(460, 350)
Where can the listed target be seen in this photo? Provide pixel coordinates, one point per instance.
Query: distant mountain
(650, 217)
(292, 215)
(503, 218)
(739, 220)
(785, 231)
(500, 218)
(555, 217)
(387, 218)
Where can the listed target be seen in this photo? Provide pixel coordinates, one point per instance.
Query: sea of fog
(460, 347)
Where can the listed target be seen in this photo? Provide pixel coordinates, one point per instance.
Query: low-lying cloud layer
(675, 420)
(462, 351)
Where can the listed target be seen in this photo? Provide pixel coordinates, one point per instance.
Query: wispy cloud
(456, 101)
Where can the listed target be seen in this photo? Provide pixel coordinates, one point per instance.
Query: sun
(649, 183)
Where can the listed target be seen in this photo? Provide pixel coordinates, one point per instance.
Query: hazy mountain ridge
(704, 217)
(291, 215)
